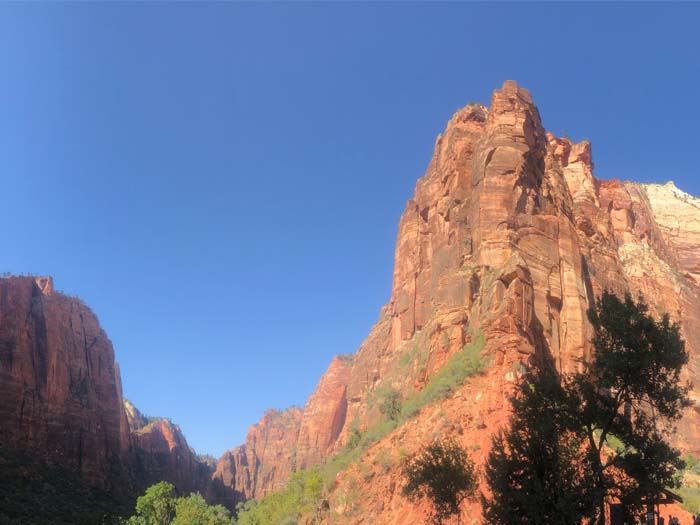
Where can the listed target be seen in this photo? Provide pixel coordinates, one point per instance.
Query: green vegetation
(390, 404)
(632, 391)
(298, 499)
(159, 506)
(193, 510)
(605, 435)
(156, 506)
(415, 355)
(692, 464)
(690, 491)
(691, 499)
(454, 374)
(534, 471)
(443, 473)
(301, 496)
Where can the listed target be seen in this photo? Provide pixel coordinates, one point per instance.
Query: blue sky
(222, 183)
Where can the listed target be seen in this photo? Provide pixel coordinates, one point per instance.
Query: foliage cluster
(301, 496)
(443, 473)
(605, 434)
(159, 506)
(534, 469)
(414, 355)
(691, 499)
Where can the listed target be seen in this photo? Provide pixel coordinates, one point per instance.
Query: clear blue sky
(222, 183)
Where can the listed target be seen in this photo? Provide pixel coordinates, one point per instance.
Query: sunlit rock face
(267, 459)
(162, 453)
(508, 237)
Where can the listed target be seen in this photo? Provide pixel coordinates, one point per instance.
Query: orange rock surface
(61, 399)
(60, 390)
(509, 235)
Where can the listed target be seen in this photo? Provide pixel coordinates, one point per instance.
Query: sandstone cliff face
(60, 390)
(163, 454)
(509, 237)
(267, 459)
(61, 401)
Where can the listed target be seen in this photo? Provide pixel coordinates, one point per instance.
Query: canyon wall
(61, 403)
(504, 246)
(60, 390)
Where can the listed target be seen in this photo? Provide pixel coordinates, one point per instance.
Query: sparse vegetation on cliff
(461, 366)
(301, 496)
(304, 493)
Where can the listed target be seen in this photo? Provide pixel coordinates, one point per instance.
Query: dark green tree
(535, 471)
(627, 401)
(442, 472)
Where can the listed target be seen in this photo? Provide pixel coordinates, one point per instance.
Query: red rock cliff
(60, 390)
(61, 399)
(508, 236)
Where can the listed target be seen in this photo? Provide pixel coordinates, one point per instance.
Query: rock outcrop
(163, 454)
(61, 403)
(60, 390)
(503, 248)
(267, 459)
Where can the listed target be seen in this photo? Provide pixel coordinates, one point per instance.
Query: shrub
(390, 404)
(442, 472)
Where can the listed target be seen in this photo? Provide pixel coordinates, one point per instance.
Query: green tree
(193, 510)
(627, 400)
(442, 472)
(156, 506)
(390, 405)
(535, 471)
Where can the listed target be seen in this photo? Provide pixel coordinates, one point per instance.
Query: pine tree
(627, 401)
(535, 471)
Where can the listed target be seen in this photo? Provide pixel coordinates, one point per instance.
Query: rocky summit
(501, 251)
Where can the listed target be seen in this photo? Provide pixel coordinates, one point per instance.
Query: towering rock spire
(508, 238)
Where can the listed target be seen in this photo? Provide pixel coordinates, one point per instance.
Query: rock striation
(508, 239)
(61, 401)
(60, 390)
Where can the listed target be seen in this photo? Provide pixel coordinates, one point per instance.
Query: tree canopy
(576, 441)
(159, 506)
(535, 471)
(442, 472)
